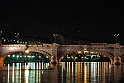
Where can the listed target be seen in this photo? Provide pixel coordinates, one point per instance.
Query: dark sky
(94, 20)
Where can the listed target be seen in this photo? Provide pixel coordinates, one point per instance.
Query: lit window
(13, 55)
(33, 56)
(17, 56)
(29, 56)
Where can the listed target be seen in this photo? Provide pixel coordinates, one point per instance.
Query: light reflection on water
(66, 72)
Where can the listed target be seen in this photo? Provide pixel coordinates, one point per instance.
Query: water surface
(65, 72)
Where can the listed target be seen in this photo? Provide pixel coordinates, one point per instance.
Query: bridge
(115, 52)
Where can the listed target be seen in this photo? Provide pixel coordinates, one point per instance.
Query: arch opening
(24, 57)
(79, 56)
(122, 57)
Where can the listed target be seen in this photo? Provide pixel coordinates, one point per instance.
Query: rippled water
(65, 72)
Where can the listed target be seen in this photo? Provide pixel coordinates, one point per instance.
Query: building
(65, 40)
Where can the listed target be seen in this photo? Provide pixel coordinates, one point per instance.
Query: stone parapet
(56, 51)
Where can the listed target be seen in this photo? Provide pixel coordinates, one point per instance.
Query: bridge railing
(106, 46)
(24, 45)
(13, 45)
(96, 46)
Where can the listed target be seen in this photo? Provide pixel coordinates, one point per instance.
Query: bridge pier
(53, 60)
(117, 60)
(1, 61)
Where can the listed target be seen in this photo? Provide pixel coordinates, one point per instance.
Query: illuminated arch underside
(39, 51)
(102, 53)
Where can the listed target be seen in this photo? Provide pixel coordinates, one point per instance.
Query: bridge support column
(1, 61)
(54, 54)
(117, 60)
(53, 60)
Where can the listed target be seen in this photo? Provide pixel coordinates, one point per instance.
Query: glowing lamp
(27, 51)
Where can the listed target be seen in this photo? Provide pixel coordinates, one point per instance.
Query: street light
(0, 34)
(55, 38)
(0, 37)
(116, 36)
(27, 51)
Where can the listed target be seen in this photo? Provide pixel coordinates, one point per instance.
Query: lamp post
(0, 34)
(116, 36)
(55, 38)
(0, 37)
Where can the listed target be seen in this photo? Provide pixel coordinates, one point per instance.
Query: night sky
(93, 20)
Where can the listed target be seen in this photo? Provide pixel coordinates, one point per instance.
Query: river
(65, 72)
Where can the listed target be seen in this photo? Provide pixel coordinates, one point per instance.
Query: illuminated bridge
(55, 52)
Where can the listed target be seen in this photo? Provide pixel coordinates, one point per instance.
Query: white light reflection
(47, 65)
(72, 66)
(104, 68)
(94, 66)
(37, 80)
(13, 72)
(69, 71)
(20, 72)
(26, 75)
(37, 65)
(109, 72)
(32, 65)
(98, 71)
(27, 67)
(17, 73)
(8, 72)
(42, 71)
(17, 67)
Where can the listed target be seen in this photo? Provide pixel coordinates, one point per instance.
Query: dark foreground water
(66, 72)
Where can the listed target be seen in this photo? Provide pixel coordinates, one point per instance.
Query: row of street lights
(116, 36)
(55, 35)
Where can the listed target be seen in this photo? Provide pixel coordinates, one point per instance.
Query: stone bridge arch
(64, 54)
(107, 54)
(3, 56)
(42, 52)
(122, 57)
